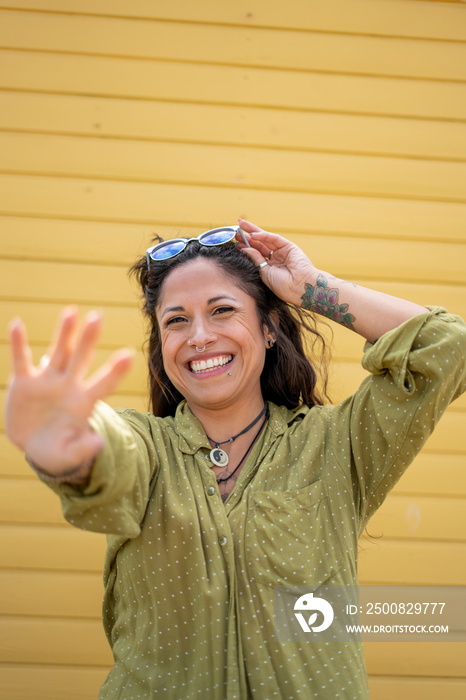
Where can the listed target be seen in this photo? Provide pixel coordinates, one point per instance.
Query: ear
(268, 332)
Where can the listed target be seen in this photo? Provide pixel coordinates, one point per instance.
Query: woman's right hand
(48, 408)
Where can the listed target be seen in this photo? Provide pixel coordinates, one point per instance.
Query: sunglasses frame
(234, 230)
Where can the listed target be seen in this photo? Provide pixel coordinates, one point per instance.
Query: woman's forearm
(363, 310)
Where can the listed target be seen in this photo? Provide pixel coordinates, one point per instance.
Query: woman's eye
(223, 309)
(175, 319)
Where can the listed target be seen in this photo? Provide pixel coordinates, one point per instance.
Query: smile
(211, 364)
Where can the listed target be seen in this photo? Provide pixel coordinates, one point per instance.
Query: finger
(257, 259)
(248, 226)
(258, 245)
(263, 249)
(21, 354)
(85, 348)
(272, 240)
(105, 380)
(62, 344)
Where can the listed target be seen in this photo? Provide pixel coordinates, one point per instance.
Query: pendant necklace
(226, 478)
(218, 456)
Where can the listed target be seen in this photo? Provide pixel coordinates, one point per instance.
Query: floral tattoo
(324, 300)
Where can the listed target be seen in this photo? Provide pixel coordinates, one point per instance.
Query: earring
(271, 343)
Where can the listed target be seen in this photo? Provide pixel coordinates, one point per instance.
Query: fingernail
(93, 316)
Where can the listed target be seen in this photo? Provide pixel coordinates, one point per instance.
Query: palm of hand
(48, 409)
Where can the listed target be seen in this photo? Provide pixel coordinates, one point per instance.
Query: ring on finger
(261, 265)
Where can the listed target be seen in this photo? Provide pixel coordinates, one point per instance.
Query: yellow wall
(340, 123)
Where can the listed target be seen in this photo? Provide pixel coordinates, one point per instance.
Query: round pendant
(219, 457)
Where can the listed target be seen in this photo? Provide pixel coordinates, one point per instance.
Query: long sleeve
(115, 499)
(416, 371)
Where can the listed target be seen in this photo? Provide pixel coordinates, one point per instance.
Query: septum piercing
(199, 349)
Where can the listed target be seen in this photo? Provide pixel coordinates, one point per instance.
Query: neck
(223, 423)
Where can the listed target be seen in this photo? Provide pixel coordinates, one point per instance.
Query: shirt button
(211, 490)
(223, 540)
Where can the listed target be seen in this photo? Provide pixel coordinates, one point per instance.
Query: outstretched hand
(48, 407)
(287, 269)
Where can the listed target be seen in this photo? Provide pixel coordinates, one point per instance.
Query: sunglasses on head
(216, 236)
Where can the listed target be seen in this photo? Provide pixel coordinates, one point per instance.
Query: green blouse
(188, 607)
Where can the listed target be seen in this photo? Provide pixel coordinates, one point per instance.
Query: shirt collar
(192, 437)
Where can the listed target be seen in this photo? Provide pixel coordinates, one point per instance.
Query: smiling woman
(240, 479)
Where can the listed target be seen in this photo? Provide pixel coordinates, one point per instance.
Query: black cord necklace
(225, 478)
(218, 456)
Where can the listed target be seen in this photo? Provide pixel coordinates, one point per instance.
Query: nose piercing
(200, 349)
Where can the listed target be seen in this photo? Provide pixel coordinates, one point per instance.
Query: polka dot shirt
(189, 599)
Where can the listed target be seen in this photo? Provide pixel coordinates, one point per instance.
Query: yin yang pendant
(219, 457)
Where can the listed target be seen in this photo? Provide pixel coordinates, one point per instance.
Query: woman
(240, 480)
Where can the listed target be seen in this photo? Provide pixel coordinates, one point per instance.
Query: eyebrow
(213, 300)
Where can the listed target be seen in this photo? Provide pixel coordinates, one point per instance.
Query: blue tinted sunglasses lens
(216, 237)
(167, 250)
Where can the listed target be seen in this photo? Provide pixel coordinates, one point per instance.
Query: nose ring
(200, 349)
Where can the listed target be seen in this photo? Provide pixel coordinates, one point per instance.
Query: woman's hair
(288, 379)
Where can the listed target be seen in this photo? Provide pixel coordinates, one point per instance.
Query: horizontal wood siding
(339, 124)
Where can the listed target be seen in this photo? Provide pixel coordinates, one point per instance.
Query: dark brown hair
(288, 378)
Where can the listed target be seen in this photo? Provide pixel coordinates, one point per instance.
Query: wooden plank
(123, 326)
(384, 561)
(187, 205)
(421, 518)
(84, 241)
(231, 166)
(120, 244)
(32, 504)
(70, 642)
(312, 51)
(27, 502)
(146, 79)
(384, 18)
(54, 280)
(204, 123)
(389, 687)
(55, 594)
(69, 549)
(22, 681)
(425, 660)
(422, 477)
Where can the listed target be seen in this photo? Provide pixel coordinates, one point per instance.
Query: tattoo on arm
(331, 277)
(323, 299)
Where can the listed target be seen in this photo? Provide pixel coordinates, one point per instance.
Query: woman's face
(200, 305)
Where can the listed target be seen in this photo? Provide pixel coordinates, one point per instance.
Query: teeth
(210, 364)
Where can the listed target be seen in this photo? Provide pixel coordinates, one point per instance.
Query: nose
(201, 336)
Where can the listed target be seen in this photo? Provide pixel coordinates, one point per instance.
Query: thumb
(87, 447)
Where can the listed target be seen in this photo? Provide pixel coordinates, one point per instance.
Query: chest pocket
(291, 538)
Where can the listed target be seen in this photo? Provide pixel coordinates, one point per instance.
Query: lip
(212, 371)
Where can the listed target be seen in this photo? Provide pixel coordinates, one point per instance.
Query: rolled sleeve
(115, 498)
(416, 371)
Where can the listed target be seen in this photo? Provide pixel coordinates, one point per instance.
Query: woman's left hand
(287, 269)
